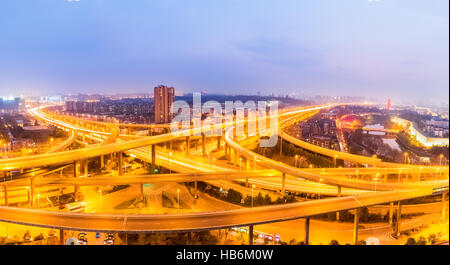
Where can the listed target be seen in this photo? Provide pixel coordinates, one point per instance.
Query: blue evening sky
(374, 48)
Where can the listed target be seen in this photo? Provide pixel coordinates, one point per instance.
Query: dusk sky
(379, 48)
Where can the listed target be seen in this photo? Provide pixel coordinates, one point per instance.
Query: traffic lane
(196, 221)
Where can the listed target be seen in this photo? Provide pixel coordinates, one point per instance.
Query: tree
(432, 239)
(334, 242)
(421, 241)
(410, 241)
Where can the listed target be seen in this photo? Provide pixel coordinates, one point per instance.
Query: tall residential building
(164, 97)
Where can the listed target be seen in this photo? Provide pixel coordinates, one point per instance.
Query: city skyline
(377, 49)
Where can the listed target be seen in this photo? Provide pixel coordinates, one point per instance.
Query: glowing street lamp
(440, 159)
(296, 158)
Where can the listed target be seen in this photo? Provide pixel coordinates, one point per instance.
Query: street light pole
(253, 186)
(170, 162)
(320, 187)
(178, 196)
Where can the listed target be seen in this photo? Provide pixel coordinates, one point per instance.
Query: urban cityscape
(105, 142)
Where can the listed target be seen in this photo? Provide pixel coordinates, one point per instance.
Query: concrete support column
(443, 210)
(31, 192)
(339, 194)
(283, 184)
(5, 192)
(188, 144)
(171, 145)
(61, 236)
(102, 161)
(120, 159)
(195, 189)
(219, 141)
(250, 235)
(141, 188)
(75, 169)
(355, 227)
(75, 175)
(281, 145)
(399, 217)
(203, 144)
(307, 224)
(391, 212)
(226, 151)
(153, 158)
(86, 168)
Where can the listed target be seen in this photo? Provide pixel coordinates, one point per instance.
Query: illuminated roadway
(202, 221)
(197, 221)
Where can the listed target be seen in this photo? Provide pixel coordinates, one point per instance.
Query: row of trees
(235, 197)
(431, 240)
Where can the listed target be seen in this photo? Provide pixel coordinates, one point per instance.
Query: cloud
(279, 53)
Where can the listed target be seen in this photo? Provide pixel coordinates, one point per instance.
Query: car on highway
(82, 239)
(109, 239)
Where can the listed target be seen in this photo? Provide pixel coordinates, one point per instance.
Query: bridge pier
(5, 192)
(355, 227)
(443, 210)
(391, 212)
(219, 143)
(250, 235)
(141, 189)
(281, 146)
(226, 151)
(31, 192)
(283, 184)
(398, 221)
(120, 159)
(86, 169)
(75, 169)
(61, 236)
(102, 161)
(195, 189)
(339, 194)
(76, 172)
(307, 224)
(188, 144)
(203, 144)
(153, 158)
